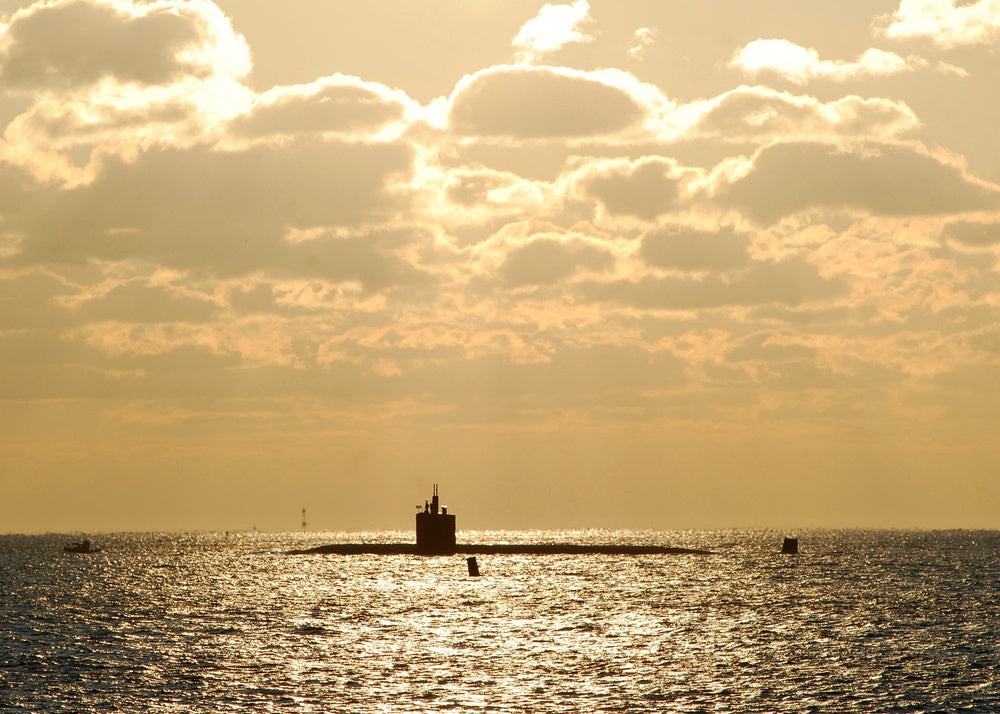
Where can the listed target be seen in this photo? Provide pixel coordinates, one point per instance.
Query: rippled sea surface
(858, 621)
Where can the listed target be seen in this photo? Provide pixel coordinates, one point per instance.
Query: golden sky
(594, 264)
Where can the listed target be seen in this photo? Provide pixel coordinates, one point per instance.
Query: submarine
(435, 535)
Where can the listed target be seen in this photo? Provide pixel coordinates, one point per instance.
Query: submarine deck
(497, 549)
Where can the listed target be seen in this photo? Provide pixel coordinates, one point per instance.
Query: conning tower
(435, 528)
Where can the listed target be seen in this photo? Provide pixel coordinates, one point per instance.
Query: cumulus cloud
(800, 64)
(762, 114)
(73, 43)
(67, 139)
(114, 78)
(335, 104)
(690, 249)
(554, 27)
(476, 186)
(536, 102)
(945, 23)
(882, 179)
(646, 188)
(546, 261)
(472, 201)
(237, 206)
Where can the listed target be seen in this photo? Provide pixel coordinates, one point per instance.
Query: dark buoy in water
(473, 566)
(791, 545)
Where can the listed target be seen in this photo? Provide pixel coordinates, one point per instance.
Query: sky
(661, 265)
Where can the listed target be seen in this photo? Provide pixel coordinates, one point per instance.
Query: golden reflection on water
(857, 622)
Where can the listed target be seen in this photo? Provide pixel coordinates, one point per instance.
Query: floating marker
(791, 545)
(473, 566)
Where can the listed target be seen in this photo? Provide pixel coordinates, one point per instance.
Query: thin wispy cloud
(642, 38)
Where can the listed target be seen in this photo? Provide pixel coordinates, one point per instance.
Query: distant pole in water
(790, 546)
(473, 566)
(303, 518)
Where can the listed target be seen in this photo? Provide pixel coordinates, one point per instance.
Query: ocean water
(866, 621)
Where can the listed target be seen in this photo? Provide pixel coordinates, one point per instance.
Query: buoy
(791, 545)
(473, 566)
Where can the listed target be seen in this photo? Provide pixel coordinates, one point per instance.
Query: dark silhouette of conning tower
(435, 528)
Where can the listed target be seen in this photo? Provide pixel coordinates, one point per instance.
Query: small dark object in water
(82, 546)
(791, 545)
(473, 566)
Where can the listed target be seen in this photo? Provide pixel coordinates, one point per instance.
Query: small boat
(83, 546)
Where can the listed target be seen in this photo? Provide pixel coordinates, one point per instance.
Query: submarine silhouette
(436, 536)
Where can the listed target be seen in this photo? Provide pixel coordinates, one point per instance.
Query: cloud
(79, 43)
(897, 270)
(546, 261)
(224, 211)
(545, 102)
(762, 114)
(881, 179)
(791, 282)
(688, 249)
(799, 64)
(645, 189)
(28, 298)
(67, 140)
(554, 249)
(471, 201)
(113, 78)
(945, 23)
(335, 104)
(162, 348)
(973, 233)
(554, 27)
(142, 301)
(475, 186)
(44, 364)
(642, 38)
